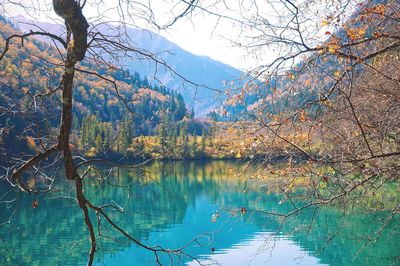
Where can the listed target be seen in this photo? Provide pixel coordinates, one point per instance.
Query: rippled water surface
(177, 202)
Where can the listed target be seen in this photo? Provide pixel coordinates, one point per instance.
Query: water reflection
(175, 202)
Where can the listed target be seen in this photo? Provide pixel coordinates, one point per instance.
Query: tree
(99, 143)
(184, 139)
(162, 138)
(333, 80)
(123, 139)
(194, 147)
(332, 93)
(203, 141)
(80, 44)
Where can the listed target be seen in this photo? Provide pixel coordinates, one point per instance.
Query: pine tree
(162, 139)
(193, 147)
(99, 143)
(107, 132)
(83, 134)
(203, 141)
(123, 142)
(184, 140)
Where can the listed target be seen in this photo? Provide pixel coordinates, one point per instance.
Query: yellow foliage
(238, 155)
(356, 33)
(324, 23)
(303, 116)
(92, 152)
(31, 143)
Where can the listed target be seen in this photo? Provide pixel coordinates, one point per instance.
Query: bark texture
(77, 27)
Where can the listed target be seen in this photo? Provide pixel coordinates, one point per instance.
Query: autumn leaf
(326, 103)
(291, 76)
(355, 34)
(243, 210)
(324, 23)
(355, 133)
(376, 34)
(31, 143)
(303, 116)
(214, 217)
(25, 90)
(31, 183)
(35, 204)
(332, 48)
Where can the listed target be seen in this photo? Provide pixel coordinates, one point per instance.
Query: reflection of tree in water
(341, 242)
(164, 199)
(329, 234)
(48, 233)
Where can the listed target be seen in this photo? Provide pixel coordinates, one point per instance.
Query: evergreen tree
(123, 141)
(107, 132)
(193, 147)
(162, 138)
(203, 142)
(184, 140)
(99, 143)
(83, 134)
(139, 147)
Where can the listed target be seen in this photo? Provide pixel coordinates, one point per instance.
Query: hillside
(29, 77)
(320, 69)
(197, 69)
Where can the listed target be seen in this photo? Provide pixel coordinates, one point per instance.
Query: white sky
(197, 33)
(200, 39)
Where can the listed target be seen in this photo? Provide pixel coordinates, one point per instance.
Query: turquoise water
(174, 203)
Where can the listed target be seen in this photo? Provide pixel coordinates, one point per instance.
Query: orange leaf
(291, 76)
(303, 116)
(31, 143)
(35, 203)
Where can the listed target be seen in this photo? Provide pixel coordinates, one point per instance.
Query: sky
(197, 34)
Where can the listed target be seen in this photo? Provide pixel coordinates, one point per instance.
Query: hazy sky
(197, 34)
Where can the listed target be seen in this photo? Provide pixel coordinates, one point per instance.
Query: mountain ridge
(210, 74)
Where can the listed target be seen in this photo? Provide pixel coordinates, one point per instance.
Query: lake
(172, 203)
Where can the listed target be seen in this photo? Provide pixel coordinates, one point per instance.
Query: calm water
(177, 202)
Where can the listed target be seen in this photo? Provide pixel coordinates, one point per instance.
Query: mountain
(312, 83)
(30, 101)
(197, 69)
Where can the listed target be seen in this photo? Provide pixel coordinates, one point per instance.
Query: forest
(301, 148)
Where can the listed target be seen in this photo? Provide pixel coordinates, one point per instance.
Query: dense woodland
(151, 122)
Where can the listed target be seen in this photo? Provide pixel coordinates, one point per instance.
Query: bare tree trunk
(82, 204)
(77, 27)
